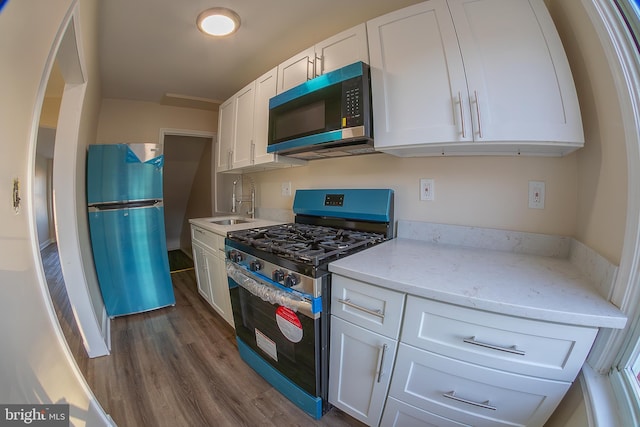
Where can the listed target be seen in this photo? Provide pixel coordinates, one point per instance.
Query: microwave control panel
(352, 102)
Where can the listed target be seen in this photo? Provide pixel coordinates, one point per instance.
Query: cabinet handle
(464, 131)
(512, 349)
(229, 159)
(318, 64)
(381, 364)
(484, 405)
(348, 302)
(313, 68)
(253, 153)
(475, 92)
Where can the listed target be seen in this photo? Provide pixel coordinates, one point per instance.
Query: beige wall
(137, 121)
(602, 164)
(477, 191)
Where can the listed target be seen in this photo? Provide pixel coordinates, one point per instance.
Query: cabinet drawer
(213, 241)
(508, 343)
(399, 414)
(472, 394)
(374, 308)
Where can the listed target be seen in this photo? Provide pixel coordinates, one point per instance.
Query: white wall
(36, 366)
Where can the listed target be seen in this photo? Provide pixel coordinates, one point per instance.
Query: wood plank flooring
(177, 366)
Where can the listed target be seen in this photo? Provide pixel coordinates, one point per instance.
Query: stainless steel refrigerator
(126, 222)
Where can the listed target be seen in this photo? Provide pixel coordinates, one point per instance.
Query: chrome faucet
(233, 197)
(252, 212)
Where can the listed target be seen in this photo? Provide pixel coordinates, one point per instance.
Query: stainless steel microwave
(328, 116)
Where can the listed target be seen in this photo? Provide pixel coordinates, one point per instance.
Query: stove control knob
(255, 265)
(277, 275)
(235, 256)
(291, 280)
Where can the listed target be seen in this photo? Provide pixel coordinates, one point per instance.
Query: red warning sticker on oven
(289, 324)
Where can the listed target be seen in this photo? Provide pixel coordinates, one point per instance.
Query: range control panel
(334, 200)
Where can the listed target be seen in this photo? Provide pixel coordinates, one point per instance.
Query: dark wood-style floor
(177, 366)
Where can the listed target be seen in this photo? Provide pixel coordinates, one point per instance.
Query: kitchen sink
(230, 221)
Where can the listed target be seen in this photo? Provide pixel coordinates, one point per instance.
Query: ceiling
(150, 48)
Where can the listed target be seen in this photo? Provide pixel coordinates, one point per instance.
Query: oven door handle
(268, 292)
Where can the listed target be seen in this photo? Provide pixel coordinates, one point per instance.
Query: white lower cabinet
(360, 364)
(472, 394)
(454, 366)
(211, 275)
(365, 325)
(202, 271)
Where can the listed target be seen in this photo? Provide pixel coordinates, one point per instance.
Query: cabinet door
(202, 273)
(342, 49)
(220, 298)
(520, 84)
(226, 134)
(242, 143)
(359, 370)
(296, 70)
(418, 83)
(265, 89)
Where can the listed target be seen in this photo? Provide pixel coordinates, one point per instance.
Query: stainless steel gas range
(279, 284)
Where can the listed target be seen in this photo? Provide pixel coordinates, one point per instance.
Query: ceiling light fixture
(218, 21)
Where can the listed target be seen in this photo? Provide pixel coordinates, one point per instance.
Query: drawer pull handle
(484, 405)
(348, 302)
(464, 132)
(384, 352)
(512, 349)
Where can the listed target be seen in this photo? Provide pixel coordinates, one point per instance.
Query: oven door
(277, 327)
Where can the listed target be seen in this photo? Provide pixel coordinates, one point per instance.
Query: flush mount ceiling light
(218, 21)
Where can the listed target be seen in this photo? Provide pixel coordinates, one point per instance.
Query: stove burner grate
(306, 243)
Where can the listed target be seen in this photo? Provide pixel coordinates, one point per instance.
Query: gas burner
(306, 243)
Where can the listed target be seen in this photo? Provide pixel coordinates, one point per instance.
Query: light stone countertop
(519, 284)
(208, 224)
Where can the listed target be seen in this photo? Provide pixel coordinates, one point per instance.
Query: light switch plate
(427, 188)
(536, 194)
(286, 189)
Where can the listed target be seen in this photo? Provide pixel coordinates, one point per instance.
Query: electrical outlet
(286, 189)
(536, 194)
(427, 188)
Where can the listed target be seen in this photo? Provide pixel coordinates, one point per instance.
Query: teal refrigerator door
(130, 254)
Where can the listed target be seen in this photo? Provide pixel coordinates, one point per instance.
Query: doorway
(186, 186)
(58, 168)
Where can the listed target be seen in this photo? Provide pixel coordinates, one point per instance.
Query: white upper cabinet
(472, 77)
(342, 49)
(244, 108)
(226, 135)
(244, 127)
(335, 52)
(296, 70)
